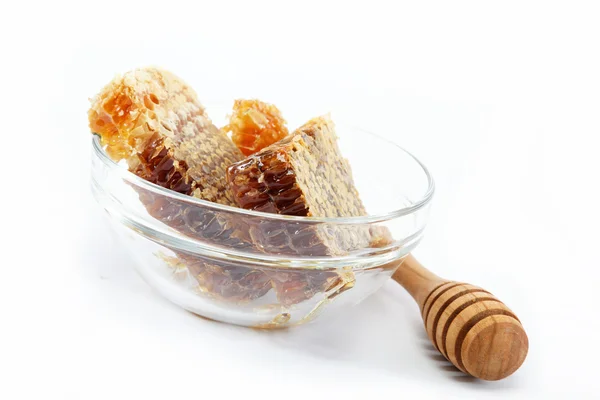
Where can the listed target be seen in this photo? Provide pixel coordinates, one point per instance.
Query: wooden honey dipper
(470, 327)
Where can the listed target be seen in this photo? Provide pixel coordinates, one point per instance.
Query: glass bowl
(198, 254)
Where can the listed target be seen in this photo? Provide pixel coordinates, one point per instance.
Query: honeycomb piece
(154, 121)
(304, 175)
(255, 125)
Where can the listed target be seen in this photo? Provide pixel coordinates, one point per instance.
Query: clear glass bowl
(195, 252)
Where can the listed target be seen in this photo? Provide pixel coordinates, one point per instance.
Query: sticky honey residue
(282, 320)
(278, 322)
(178, 268)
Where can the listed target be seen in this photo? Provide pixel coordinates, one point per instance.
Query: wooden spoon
(470, 327)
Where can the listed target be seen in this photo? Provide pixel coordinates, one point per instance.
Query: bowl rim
(367, 219)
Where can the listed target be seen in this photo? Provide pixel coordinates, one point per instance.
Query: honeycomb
(304, 175)
(255, 125)
(154, 121)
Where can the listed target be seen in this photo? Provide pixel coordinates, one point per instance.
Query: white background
(500, 99)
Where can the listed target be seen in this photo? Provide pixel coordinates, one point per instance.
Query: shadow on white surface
(385, 333)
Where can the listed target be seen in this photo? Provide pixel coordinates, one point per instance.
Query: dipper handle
(470, 327)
